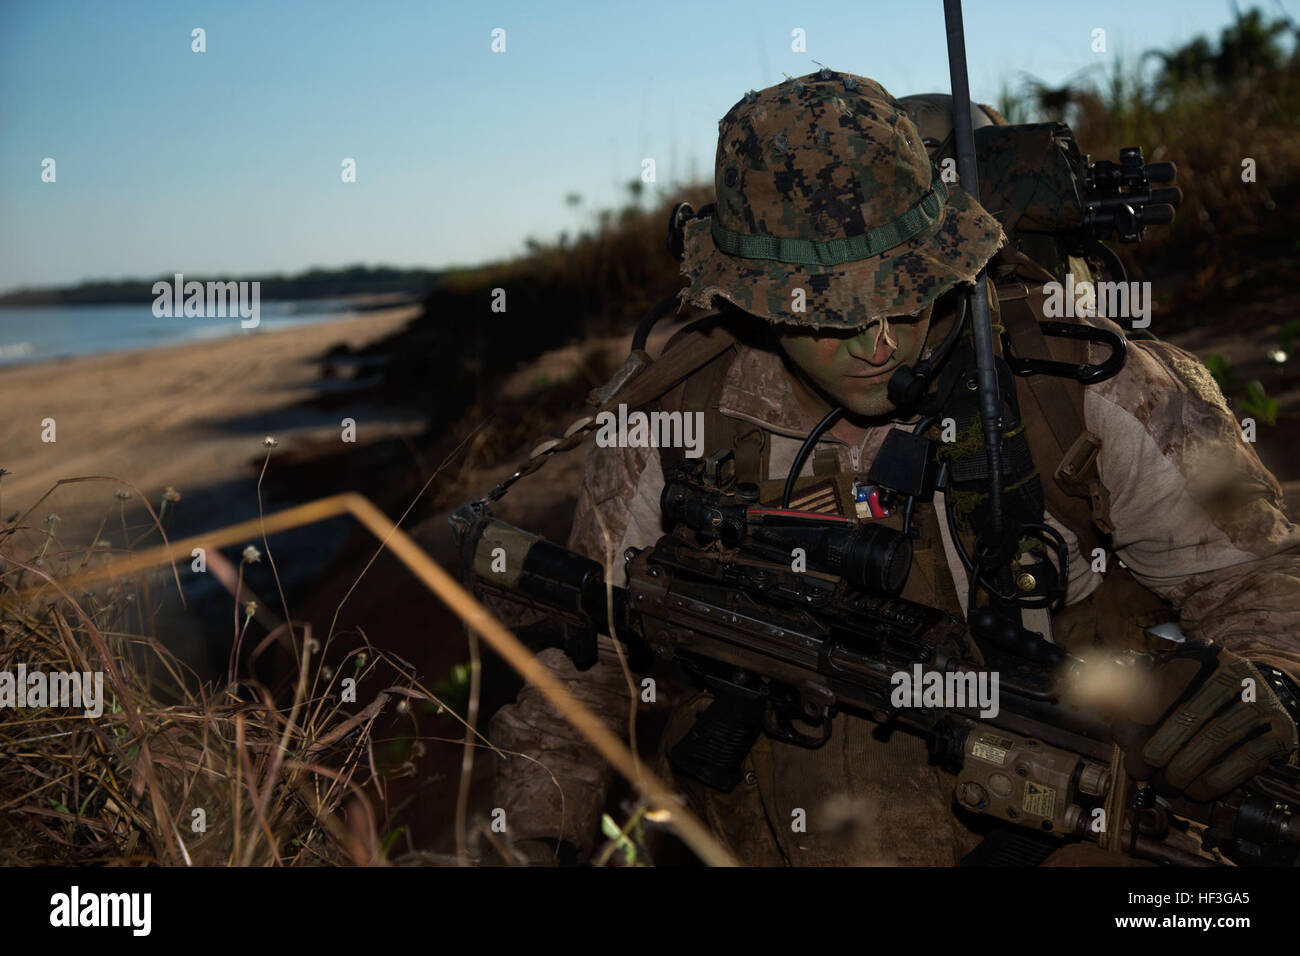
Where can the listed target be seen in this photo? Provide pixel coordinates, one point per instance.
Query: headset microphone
(908, 384)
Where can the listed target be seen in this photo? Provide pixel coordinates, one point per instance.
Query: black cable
(1054, 603)
(908, 385)
(924, 425)
(831, 418)
(950, 339)
(942, 483)
(984, 556)
(976, 578)
(661, 308)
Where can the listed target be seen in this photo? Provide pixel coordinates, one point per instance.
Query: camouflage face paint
(854, 367)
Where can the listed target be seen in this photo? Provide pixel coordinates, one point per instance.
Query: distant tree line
(312, 284)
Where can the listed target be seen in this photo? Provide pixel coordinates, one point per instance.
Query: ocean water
(37, 333)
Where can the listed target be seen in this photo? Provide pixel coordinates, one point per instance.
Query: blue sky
(228, 162)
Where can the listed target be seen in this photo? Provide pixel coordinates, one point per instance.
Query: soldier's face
(854, 367)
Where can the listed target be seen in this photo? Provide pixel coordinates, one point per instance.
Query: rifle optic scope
(867, 554)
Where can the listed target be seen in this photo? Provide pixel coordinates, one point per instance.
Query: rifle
(776, 647)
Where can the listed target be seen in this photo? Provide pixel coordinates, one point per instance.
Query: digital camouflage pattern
(1029, 177)
(827, 157)
(1030, 174)
(1197, 518)
(1229, 564)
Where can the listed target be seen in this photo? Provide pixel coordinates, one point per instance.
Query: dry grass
(1209, 107)
(178, 772)
(175, 771)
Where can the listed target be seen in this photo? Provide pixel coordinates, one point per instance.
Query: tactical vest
(1064, 452)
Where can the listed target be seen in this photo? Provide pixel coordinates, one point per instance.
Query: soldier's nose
(874, 345)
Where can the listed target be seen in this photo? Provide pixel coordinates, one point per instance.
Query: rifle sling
(678, 360)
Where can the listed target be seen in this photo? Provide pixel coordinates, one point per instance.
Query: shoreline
(340, 309)
(190, 415)
(136, 352)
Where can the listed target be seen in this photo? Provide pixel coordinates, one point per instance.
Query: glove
(1195, 733)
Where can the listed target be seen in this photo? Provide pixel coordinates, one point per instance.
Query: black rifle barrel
(981, 326)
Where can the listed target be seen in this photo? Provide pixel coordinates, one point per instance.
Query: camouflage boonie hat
(823, 184)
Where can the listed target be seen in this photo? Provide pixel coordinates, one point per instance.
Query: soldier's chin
(867, 402)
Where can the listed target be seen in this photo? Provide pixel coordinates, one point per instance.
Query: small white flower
(270, 442)
(251, 555)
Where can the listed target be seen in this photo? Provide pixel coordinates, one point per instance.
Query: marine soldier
(836, 256)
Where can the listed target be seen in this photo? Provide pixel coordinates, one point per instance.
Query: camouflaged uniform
(1230, 567)
(1196, 518)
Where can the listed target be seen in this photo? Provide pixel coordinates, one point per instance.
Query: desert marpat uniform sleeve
(559, 787)
(1197, 516)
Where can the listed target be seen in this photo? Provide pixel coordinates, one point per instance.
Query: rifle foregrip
(714, 749)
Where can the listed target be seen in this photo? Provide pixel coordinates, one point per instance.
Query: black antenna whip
(981, 326)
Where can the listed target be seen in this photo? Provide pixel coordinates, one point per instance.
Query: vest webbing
(1052, 407)
(700, 391)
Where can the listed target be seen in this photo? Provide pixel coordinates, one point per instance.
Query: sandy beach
(189, 416)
